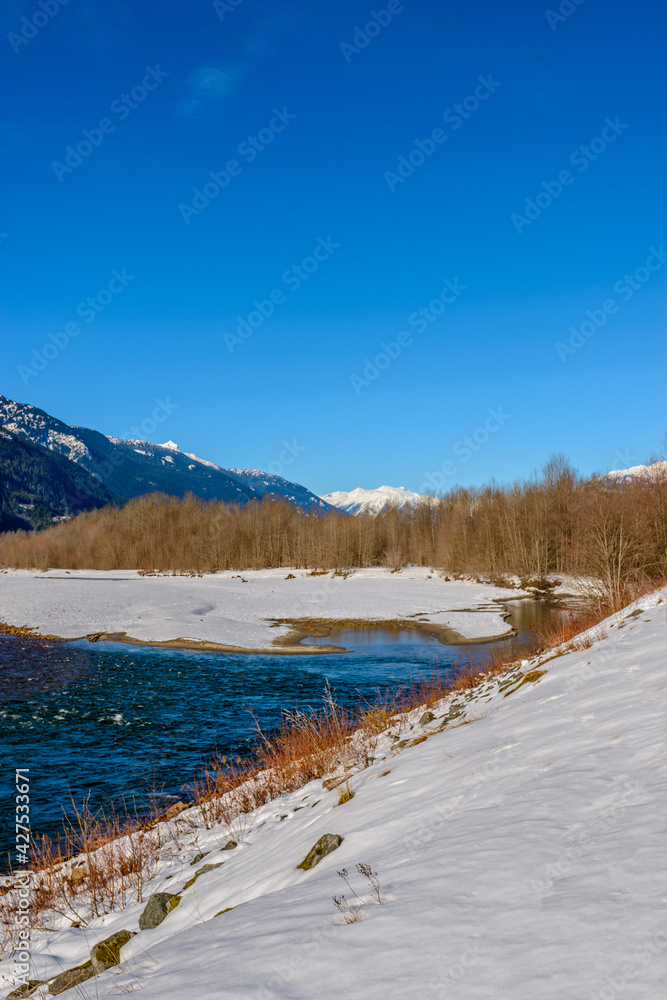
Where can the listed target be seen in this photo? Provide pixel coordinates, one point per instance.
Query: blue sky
(261, 200)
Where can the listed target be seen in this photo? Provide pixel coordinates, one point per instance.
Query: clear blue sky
(333, 111)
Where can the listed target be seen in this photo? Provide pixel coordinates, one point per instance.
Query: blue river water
(122, 724)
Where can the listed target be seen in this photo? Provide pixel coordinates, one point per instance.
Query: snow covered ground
(520, 857)
(238, 609)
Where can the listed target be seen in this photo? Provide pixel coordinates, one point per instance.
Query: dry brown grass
(97, 866)
(559, 633)
(568, 631)
(307, 746)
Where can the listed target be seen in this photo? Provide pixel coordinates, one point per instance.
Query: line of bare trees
(554, 522)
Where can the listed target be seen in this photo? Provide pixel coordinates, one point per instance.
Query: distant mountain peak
(129, 468)
(204, 461)
(362, 501)
(637, 472)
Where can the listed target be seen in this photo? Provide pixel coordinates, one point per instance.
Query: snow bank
(238, 609)
(520, 856)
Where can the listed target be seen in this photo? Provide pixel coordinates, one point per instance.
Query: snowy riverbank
(521, 855)
(238, 610)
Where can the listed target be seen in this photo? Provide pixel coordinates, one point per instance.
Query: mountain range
(38, 487)
(637, 472)
(50, 471)
(88, 469)
(362, 501)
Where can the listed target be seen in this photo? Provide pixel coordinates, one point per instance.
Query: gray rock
(453, 713)
(26, 990)
(426, 718)
(325, 845)
(199, 857)
(158, 907)
(202, 871)
(107, 953)
(66, 980)
(230, 845)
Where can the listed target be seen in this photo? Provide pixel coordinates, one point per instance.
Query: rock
(452, 714)
(426, 718)
(26, 990)
(199, 857)
(226, 910)
(202, 871)
(174, 810)
(107, 953)
(230, 845)
(530, 678)
(325, 845)
(158, 907)
(66, 980)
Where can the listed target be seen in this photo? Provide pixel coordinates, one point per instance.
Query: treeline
(554, 522)
(37, 485)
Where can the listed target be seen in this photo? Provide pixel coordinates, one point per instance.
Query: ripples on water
(120, 721)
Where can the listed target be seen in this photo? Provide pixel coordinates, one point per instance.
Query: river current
(122, 724)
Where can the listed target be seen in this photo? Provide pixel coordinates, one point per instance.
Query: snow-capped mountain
(362, 501)
(39, 487)
(265, 482)
(129, 468)
(653, 471)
